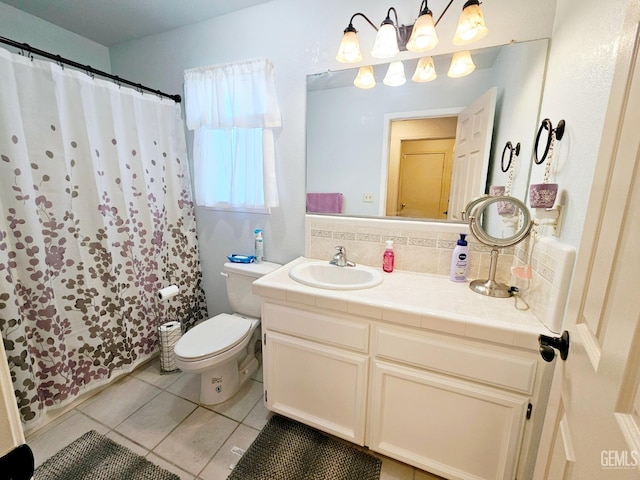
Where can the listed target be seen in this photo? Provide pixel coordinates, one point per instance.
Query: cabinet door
(321, 386)
(451, 427)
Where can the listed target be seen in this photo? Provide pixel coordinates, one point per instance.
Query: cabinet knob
(548, 344)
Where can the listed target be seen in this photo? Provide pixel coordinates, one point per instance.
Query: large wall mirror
(357, 139)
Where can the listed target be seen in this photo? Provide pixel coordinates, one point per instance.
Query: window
(233, 110)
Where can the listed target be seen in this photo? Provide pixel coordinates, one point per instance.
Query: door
(472, 150)
(425, 178)
(592, 427)
(319, 385)
(448, 426)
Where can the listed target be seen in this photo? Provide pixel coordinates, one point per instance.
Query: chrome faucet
(340, 258)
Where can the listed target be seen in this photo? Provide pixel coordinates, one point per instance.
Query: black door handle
(547, 345)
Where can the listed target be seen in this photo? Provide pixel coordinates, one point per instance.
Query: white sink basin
(324, 275)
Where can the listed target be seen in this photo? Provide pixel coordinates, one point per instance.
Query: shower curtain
(96, 216)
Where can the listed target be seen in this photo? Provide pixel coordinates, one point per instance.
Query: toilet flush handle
(224, 274)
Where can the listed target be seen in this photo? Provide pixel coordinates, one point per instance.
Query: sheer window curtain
(234, 111)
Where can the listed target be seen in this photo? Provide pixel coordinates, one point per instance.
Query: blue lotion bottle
(460, 260)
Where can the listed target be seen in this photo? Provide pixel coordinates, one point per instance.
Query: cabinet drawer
(333, 330)
(462, 359)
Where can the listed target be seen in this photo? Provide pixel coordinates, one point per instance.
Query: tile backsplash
(426, 247)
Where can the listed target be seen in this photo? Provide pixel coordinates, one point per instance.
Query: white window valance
(240, 94)
(234, 164)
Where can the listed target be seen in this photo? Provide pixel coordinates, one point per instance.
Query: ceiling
(110, 22)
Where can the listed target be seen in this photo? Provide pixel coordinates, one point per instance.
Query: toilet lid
(212, 336)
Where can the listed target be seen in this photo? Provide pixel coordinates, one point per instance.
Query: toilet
(223, 348)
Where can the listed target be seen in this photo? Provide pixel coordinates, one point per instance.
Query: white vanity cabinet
(459, 407)
(316, 369)
(454, 407)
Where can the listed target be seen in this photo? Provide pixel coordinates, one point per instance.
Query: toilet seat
(212, 337)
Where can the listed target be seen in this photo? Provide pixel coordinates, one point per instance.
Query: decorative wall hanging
(543, 195)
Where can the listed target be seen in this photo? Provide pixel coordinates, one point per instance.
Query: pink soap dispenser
(388, 257)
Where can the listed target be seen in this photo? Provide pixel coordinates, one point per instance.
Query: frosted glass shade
(471, 26)
(425, 70)
(395, 75)
(461, 64)
(365, 78)
(349, 50)
(386, 44)
(423, 36)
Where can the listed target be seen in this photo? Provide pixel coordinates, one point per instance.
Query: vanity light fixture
(425, 70)
(423, 34)
(419, 37)
(471, 26)
(461, 64)
(395, 75)
(365, 78)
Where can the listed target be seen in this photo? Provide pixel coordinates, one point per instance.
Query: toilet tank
(240, 277)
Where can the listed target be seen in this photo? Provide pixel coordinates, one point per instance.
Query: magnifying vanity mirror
(355, 137)
(498, 222)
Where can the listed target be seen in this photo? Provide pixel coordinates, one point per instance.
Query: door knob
(547, 345)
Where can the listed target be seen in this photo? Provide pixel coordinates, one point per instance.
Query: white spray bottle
(259, 245)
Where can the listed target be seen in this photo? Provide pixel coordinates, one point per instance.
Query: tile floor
(158, 416)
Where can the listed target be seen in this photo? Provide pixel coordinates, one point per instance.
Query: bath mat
(95, 457)
(288, 450)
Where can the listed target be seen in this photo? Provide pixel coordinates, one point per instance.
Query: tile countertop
(420, 300)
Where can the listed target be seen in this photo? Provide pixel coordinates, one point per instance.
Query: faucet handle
(341, 249)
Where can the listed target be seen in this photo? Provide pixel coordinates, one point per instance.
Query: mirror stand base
(491, 288)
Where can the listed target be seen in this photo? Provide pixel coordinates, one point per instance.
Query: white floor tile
(116, 403)
(151, 374)
(219, 467)
(196, 440)
(187, 386)
(156, 419)
(392, 470)
(239, 406)
(258, 416)
(161, 462)
(53, 440)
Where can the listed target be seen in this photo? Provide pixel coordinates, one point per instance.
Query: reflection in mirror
(352, 143)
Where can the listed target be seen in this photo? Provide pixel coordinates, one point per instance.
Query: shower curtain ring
(59, 62)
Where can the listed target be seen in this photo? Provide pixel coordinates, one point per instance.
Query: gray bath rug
(95, 457)
(288, 450)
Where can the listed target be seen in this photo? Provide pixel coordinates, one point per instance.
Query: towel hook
(554, 134)
(513, 151)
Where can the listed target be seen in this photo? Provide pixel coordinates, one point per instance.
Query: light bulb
(365, 78)
(395, 75)
(461, 64)
(425, 70)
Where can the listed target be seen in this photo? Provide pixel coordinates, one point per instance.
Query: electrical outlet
(367, 198)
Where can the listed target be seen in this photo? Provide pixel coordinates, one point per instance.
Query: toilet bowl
(223, 348)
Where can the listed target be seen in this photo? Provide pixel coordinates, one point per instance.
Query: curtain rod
(86, 68)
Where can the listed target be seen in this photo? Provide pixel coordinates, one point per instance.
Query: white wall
(578, 82)
(25, 28)
(300, 37)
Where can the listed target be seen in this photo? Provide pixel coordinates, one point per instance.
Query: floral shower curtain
(95, 217)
